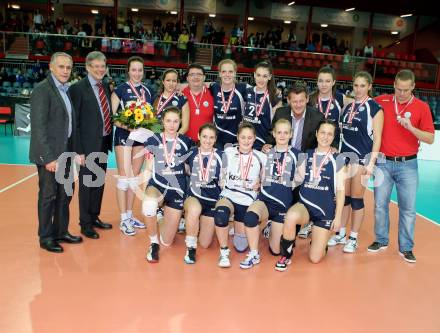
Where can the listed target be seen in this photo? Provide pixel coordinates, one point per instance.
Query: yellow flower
(150, 114)
(138, 117)
(128, 113)
(148, 108)
(137, 111)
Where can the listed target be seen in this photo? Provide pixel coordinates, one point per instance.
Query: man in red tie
(91, 100)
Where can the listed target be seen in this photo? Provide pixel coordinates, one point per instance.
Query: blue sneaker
(126, 228)
(136, 223)
(250, 260)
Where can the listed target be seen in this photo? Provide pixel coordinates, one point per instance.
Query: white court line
(17, 183)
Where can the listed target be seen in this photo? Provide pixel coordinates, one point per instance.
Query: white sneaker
(126, 228)
(337, 239)
(351, 245)
(159, 214)
(250, 260)
(136, 223)
(181, 229)
(223, 260)
(305, 231)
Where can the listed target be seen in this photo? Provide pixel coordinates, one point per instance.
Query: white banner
(289, 13)
(340, 17)
(200, 6)
(152, 4)
(98, 3)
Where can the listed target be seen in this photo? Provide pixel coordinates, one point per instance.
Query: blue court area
(14, 150)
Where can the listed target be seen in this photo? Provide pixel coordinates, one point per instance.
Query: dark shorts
(319, 220)
(172, 198)
(239, 211)
(121, 138)
(277, 213)
(208, 208)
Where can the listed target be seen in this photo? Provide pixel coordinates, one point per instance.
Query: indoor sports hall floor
(106, 285)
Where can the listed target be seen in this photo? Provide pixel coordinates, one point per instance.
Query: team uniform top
(169, 173)
(320, 197)
(178, 100)
(277, 188)
(238, 190)
(227, 122)
(357, 137)
(209, 189)
(263, 121)
(126, 94)
(335, 109)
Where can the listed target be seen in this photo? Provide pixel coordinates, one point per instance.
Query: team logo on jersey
(129, 91)
(174, 103)
(178, 146)
(205, 104)
(362, 108)
(332, 106)
(288, 159)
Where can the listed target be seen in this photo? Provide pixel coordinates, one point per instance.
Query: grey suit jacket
(49, 123)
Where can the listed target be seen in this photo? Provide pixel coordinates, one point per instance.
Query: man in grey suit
(53, 132)
(91, 100)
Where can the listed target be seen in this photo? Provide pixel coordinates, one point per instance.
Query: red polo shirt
(397, 140)
(205, 103)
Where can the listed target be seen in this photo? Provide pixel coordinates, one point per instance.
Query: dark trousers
(53, 205)
(90, 197)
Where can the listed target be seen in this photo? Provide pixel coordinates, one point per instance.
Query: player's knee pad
(133, 183)
(251, 219)
(357, 203)
(221, 216)
(149, 207)
(347, 201)
(123, 183)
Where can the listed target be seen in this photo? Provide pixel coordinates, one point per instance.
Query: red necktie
(105, 109)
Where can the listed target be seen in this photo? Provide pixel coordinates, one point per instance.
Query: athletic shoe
(153, 253)
(250, 260)
(266, 230)
(223, 260)
(337, 239)
(181, 228)
(159, 213)
(190, 256)
(282, 264)
(136, 223)
(408, 256)
(126, 228)
(305, 231)
(376, 247)
(351, 245)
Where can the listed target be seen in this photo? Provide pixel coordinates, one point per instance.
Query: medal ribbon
(161, 105)
(353, 110)
(168, 157)
(327, 110)
(197, 103)
(139, 97)
(396, 107)
(244, 170)
(227, 104)
(317, 171)
(204, 172)
(259, 107)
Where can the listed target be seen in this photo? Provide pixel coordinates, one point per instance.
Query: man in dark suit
(91, 100)
(304, 119)
(53, 133)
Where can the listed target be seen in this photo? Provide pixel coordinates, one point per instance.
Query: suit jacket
(49, 123)
(311, 121)
(89, 118)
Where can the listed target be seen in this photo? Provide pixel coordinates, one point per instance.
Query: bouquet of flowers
(138, 114)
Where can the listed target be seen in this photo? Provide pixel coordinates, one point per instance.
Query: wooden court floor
(106, 285)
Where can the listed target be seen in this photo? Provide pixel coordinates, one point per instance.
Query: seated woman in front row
(321, 198)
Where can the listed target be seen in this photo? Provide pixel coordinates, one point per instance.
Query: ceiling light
(250, 18)
(173, 12)
(135, 10)
(324, 25)
(14, 6)
(95, 11)
(350, 9)
(287, 22)
(211, 15)
(406, 15)
(394, 32)
(291, 3)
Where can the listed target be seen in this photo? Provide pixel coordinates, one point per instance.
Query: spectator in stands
(368, 50)
(166, 44)
(116, 44)
(109, 24)
(182, 45)
(193, 26)
(38, 21)
(157, 23)
(87, 28)
(120, 24)
(19, 77)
